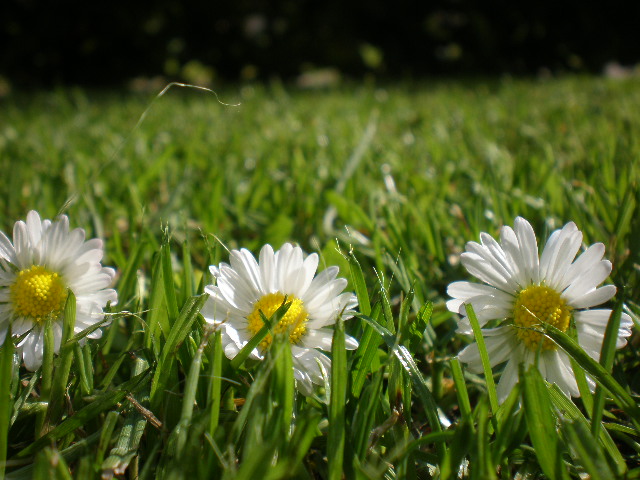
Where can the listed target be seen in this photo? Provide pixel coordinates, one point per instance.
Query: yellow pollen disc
(37, 293)
(534, 306)
(294, 321)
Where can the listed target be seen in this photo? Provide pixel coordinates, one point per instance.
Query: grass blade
(484, 357)
(336, 436)
(215, 396)
(169, 285)
(541, 423)
(243, 354)
(407, 362)
(179, 330)
(365, 354)
(593, 368)
(587, 451)
(461, 389)
(607, 353)
(61, 374)
(569, 410)
(100, 404)
(6, 398)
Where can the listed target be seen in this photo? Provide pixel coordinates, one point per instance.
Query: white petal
(500, 343)
(528, 249)
(323, 339)
(32, 349)
(303, 382)
(566, 253)
(323, 295)
(588, 281)
(6, 249)
(320, 338)
(483, 270)
(327, 314)
(492, 255)
(24, 254)
(320, 281)
(289, 268)
(34, 228)
(511, 248)
(464, 291)
(509, 378)
(583, 264)
(495, 254)
(234, 289)
(309, 267)
(559, 371)
(596, 320)
(307, 360)
(268, 269)
(595, 297)
(246, 267)
(559, 252)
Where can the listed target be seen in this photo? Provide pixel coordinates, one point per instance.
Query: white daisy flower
(246, 287)
(526, 291)
(36, 271)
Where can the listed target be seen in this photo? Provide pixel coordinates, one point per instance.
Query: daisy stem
(486, 364)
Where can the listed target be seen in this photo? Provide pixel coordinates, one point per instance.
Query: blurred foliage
(46, 43)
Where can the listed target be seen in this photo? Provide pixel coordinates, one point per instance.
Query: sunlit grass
(388, 182)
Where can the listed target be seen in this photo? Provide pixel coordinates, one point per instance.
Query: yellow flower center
(536, 305)
(37, 293)
(294, 321)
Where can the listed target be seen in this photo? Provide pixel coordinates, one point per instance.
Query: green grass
(388, 182)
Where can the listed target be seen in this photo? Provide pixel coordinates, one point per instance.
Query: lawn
(387, 182)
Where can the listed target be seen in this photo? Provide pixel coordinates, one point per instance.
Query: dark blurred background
(44, 43)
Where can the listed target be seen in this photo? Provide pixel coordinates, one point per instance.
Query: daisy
(526, 291)
(245, 288)
(36, 271)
